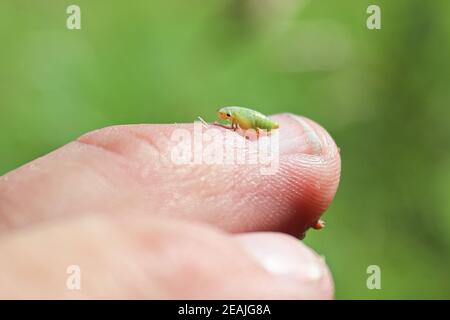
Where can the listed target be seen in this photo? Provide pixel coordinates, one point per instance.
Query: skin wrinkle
(87, 143)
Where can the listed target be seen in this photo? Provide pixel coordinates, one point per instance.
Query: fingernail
(297, 129)
(284, 256)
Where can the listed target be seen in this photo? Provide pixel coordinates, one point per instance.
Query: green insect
(246, 119)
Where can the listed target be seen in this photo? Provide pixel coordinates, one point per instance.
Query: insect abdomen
(265, 123)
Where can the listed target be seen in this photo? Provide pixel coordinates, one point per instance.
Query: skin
(247, 119)
(141, 227)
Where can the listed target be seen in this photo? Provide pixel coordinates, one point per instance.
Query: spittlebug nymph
(246, 119)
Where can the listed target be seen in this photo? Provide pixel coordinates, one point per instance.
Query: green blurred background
(383, 94)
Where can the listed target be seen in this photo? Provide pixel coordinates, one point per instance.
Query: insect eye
(228, 115)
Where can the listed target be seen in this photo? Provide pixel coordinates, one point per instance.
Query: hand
(140, 226)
